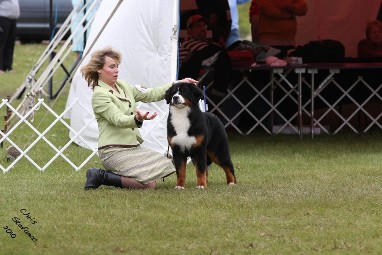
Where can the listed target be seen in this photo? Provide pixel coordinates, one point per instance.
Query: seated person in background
(371, 47)
(218, 18)
(196, 48)
(222, 19)
(277, 25)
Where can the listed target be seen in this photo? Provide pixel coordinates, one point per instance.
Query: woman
(371, 47)
(128, 164)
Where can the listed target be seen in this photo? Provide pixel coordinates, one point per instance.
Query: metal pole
(84, 25)
(51, 31)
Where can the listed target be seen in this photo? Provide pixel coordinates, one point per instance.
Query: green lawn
(294, 196)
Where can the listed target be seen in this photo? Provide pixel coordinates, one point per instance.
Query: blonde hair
(96, 62)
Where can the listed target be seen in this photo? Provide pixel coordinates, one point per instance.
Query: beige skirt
(139, 163)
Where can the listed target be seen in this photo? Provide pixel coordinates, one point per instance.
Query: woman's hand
(141, 116)
(187, 80)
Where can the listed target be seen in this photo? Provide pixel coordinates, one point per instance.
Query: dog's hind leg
(229, 172)
(226, 165)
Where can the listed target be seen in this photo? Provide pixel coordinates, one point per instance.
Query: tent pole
(97, 37)
(36, 88)
(50, 36)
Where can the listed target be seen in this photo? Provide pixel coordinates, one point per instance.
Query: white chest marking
(181, 124)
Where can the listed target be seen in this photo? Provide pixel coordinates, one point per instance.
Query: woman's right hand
(187, 80)
(141, 116)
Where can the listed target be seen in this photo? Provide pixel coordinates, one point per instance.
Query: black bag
(323, 51)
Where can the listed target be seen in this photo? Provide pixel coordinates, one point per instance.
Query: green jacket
(115, 111)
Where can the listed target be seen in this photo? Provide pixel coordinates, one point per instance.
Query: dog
(196, 134)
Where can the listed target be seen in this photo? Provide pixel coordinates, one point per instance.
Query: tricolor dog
(196, 134)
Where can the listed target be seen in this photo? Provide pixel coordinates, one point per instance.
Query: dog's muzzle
(177, 100)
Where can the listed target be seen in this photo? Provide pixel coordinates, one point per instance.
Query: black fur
(211, 142)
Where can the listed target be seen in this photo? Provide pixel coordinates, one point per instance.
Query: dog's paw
(179, 187)
(200, 187)
(231, 184)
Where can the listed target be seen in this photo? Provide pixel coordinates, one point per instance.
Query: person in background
(196, 48)
(254, 20)
(217, 15)
(371, 46)
(127, 163)
(9, 12)
(80, 37)
(234, 35)
(222, 18)
(277, 23)
(234, 42)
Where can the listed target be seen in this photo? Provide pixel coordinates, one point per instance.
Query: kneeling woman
(127, 164)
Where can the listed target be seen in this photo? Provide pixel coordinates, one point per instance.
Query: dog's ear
(196, 92)
(167, 95)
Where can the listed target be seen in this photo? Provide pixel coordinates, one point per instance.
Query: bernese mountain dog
(196, 134)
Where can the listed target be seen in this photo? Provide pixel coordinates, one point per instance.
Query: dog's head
(183, 94)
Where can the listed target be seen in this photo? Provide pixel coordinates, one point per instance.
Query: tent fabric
(143, 32)
(341, 20)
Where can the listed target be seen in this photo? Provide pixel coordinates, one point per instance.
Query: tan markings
(198, 141)
(213, 157)
(201, 178)
(228, 172)
(230, 177)
(187, 102)
(181, 175)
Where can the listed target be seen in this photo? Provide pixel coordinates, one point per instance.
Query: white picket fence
(41, 142)
(38, 142)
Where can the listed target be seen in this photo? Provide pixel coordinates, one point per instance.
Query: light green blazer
(115, 111)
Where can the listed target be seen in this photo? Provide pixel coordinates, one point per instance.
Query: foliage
(244, 25)
(25, 57)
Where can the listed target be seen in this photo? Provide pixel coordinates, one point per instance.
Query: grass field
(294, 196)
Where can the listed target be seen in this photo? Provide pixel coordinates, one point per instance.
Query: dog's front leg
(201, 181)
(200, 160)
(180, 166)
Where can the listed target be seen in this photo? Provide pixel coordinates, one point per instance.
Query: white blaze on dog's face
(178, 100)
